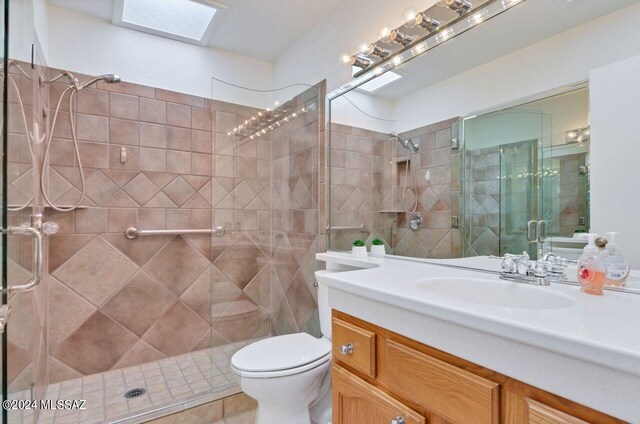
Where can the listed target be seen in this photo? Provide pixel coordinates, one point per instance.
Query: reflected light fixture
(459, 6)
(417, 29)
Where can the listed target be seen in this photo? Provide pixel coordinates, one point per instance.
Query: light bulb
(363, 47)
(408, 17)
(397, 61)
(345, 59)
(385, 34)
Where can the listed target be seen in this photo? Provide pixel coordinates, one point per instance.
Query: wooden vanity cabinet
(380, 377)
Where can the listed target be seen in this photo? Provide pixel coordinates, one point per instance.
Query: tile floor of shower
(204, 375)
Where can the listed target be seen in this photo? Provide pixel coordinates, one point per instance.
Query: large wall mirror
(508, 177)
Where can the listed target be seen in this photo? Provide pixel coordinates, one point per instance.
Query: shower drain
(133, 393)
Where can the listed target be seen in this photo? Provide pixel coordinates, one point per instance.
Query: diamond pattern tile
(177, 265)
(179, 191)
(241, 262)
(96, 271)
(141, 189)
(139, 303)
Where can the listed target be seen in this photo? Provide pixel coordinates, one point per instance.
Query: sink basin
(494, 293)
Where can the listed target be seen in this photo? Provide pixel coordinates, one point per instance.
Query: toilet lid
(281, 353)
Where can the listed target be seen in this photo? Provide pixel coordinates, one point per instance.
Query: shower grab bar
(363, 228)
(133, 232)
(36, 234)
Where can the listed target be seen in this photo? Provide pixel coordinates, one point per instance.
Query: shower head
(408, 144)
(108, 78)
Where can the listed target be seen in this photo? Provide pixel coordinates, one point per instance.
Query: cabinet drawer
(539, 413)
(357, 402)
(354, 346)
(454, 394)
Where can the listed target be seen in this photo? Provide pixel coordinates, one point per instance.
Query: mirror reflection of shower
(412, 148)
(74, 87)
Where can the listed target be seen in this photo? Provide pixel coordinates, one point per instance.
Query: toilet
(289, 376)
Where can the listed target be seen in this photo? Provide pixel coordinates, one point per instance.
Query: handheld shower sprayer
(411, 147)
(73, 88)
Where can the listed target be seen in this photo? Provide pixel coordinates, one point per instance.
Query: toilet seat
(281, 356)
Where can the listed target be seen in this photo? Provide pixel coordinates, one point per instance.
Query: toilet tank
(324, 311)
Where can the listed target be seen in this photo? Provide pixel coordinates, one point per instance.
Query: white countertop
(588, 352)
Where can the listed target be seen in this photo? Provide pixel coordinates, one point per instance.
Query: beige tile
(177, 331)
(238, 403)
(225, 121)
(224, 166)
(241, 262)
(94, 155)
(153, 135)
(119, 219)
(300, 300)
(201, 141)
(141, 249)
(152, 110)
(100, 188)
(179, 191)
(138, 304)
(141, 189)
(96, 271)
(152, 218)
(153, 159)
(91, 220)
(201, 118)
(198, 296)
(127, 88)
(92, 128)
(64, 246)
(210, 413)
(140, 353)
(201, 164)
(93, 102)
(174, 97)
(178, 162)
(178, 138)
(96, 346)
(123, 131)
(178, 115)
(177, 265)
(123, 106)
(67, 310)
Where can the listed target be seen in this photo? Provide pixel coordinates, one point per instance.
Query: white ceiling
(528, 23)
(261, 29)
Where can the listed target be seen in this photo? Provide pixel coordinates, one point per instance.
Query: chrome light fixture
(440, 24)
(459, 6)
(269, 119)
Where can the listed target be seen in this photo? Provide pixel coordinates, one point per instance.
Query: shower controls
(123, 155)
(415, 222)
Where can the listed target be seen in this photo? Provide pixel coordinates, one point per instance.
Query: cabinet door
(539, 413)
(357, 402)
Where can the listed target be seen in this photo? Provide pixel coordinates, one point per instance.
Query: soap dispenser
(615, 266)
(590, 273)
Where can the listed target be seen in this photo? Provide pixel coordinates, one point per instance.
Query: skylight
(184, 20)
(379, 82)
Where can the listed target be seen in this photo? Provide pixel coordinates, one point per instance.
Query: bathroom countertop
(588, 352)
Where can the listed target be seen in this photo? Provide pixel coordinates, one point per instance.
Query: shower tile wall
(361, 184)
(367, 180)
(438, 199)
(572, 184)
(483, 202)
(118, 302)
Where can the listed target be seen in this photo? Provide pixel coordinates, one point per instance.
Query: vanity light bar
(408, 43)
(268, 120)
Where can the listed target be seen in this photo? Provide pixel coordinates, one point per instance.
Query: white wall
(315, 56)
(364, 113)
(555, 62)
(94, 46)
(615, 150)
(27, 20)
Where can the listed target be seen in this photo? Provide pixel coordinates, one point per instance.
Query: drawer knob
(348, 349)
(397, 420)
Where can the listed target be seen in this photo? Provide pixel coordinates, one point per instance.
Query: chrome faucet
(549, 268)
(521, 269)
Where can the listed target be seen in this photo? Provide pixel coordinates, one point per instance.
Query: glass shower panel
(502, 151)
